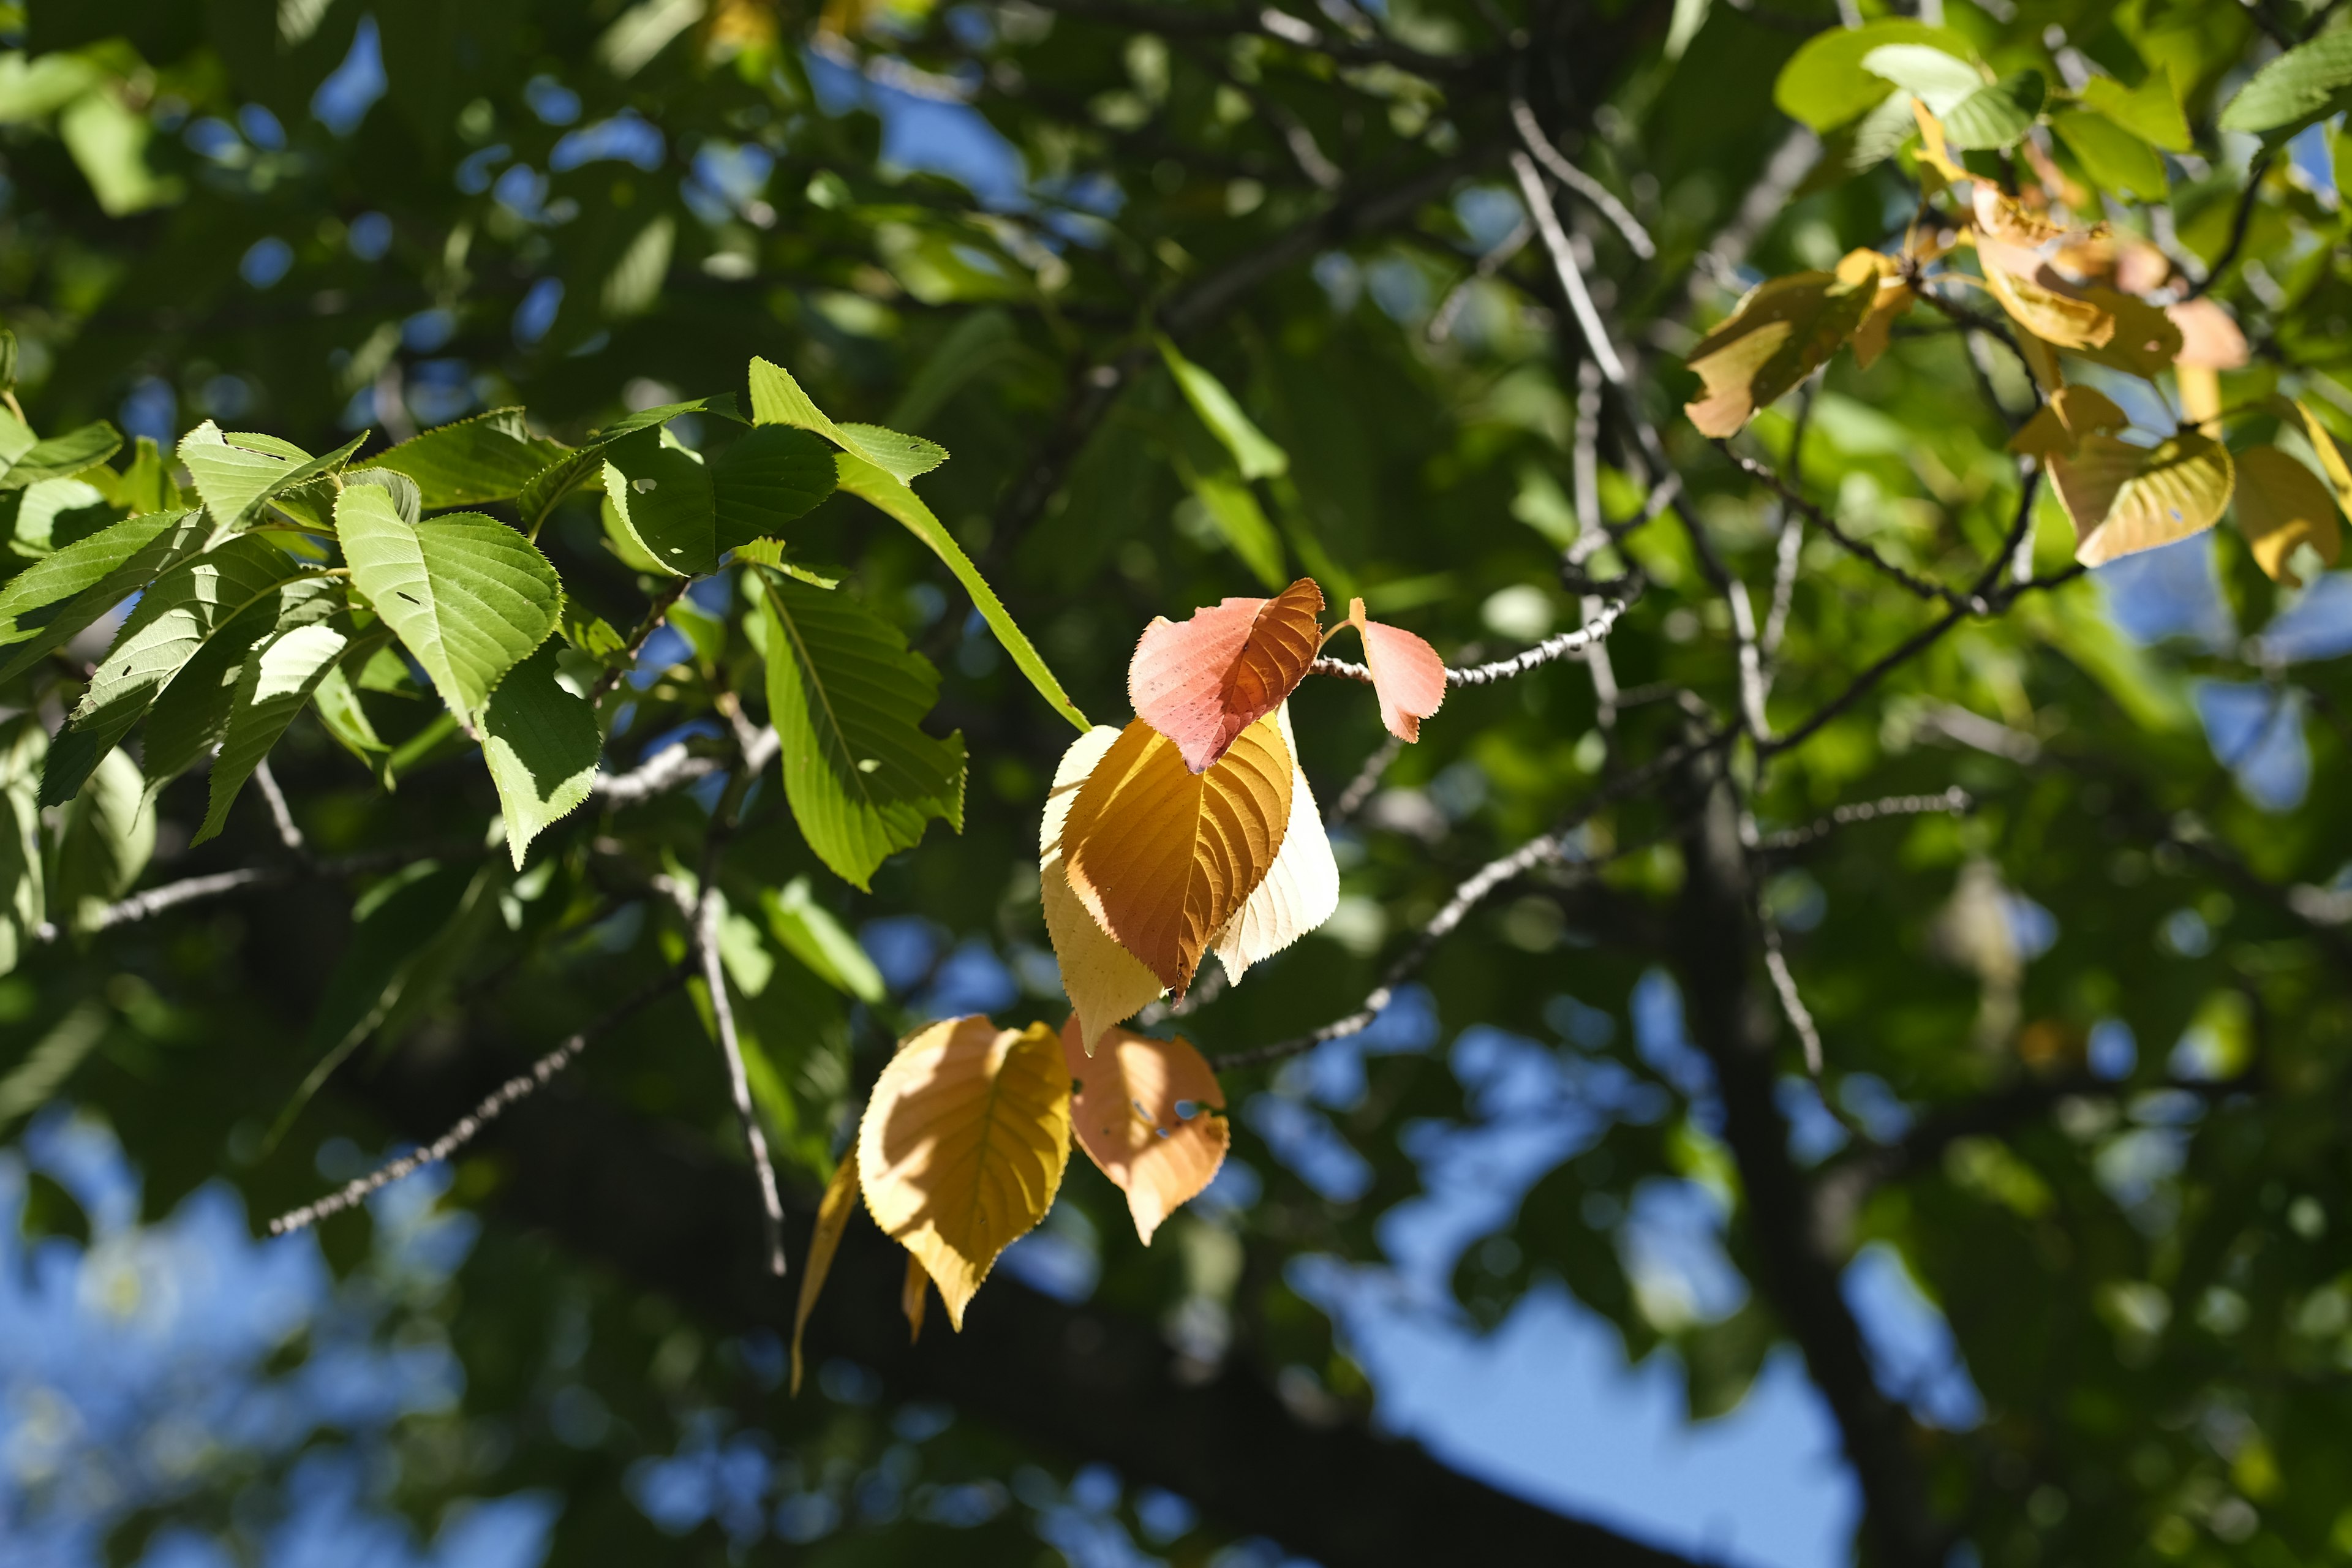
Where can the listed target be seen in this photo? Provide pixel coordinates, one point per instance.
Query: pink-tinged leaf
(1407, 675)
(1129, 1116)
(1203, 680)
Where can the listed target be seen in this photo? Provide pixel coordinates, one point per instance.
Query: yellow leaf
(2005, 217)
(1891, 297)
(2201, 394)
(2282, 504)
(963, 1146)
(1105, 983)
(832, 1212)
(1126, 1117)
(2127, 499)
(1780, 333)
(912, 1294)
(1301, 887)
(2145, 340)
(2037, 300)
(2331, 457)
(1163, 857)
(2059, 426)
(1934, 151)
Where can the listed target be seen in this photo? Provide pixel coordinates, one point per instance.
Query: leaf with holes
(2283, 504)
(847, 699)
(1163, 857)
(1105, 983)
(661, 494)
(467, 595)
(1203, 680)
(1129, 1116)
(238, 474)
(963, 1145)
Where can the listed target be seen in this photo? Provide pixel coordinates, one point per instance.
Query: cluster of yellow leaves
(968, 1131)
(2069, 291)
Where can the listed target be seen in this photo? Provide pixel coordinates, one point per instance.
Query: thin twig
(1368, 779)
(704, 913)
(1441, 326)
(1602, 197)
(2239, 224)
(493, 1105)
(1544, 652)
(655, 613)
(1861, 549)
(1792, 1002)
(288, 833)
(1571, 276)
(1954, 800)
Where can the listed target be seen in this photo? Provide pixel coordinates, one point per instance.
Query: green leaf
(777, 399)
(62, 457)
(1976, 114)
(345, 719)
(661, 496)
(2150, 112)
(467, 595)
(106, 842)
(488, 457)
(144, 485)
(810, 932)
(847, 698)
(107, 140)
(862, 478)
(976, 344)
(23, 894)
(1939, 80)
(174, 619)
(1825, 84)
(541, 745)
(2305, 84)
(192, 713)
(170, 538)
(238, 475)
(1257, 456)
(2115, 159)
(58, 513)
(1235, 512)
(582, 464)
(278, 678)
(772, 475)
(36, 88)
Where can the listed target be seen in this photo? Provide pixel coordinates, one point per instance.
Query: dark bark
(660, 1210)
(1718, 951)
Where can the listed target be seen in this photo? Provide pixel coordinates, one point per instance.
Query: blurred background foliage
(2085, 1042)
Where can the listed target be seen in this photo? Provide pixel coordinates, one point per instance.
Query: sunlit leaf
(1780, 333)
(1257, 456)
(777, 399)
(1141, 1113)
(1105, 983)
(487, 457)
(238, 474)
(810, 932)
(963, 1146)
(1825, 84)
(2058, 428)
(1408, 677)
(2305, 84)
(61, 457)
(1203, 680)
(276, 680)
(540, 743)
(2281, 505)
(2116, 158)
(1891, 297)
(104, 844)
(2038, 301)
(1163, 857)
(2151, 110)
(832, 1212)
(1301, 888)
(2126, 499)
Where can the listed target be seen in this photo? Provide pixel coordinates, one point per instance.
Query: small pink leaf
(1407, 675)
(1203, 680)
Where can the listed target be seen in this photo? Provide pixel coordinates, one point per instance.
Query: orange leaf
(1301, 888)
(963, 1146)
(1407, 675)
(1162, 857)
(2210, 337)
(1894, 297)
(832, 1212)
(1105, 983)
(1203, 680)
(912, 1294)
(1126, 1118)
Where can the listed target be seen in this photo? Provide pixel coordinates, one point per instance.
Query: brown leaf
(2282, 504)
(1781, 332)
(963, 1146)
(1408, 677)
(2126, 499)
(1203, 680)
(1162, 857)
(1126, 1118)
(1105, 983)
(832, 1212)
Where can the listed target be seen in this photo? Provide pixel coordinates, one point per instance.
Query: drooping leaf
(832, 1212)
(1889, 298)
(2145, 340)
(237, 475)
(467, 595)
(1825, 84)
(1301, 888)
(2038, 300)
(2118, 159)
(847, 699)
(772, 475)
(963, 1145)
(61, 457)
(584, 464)
(2282, 504)
(2305, 84)
(473, 461)
(340, 713)
(83, 564)
(106, 842)
(1105, 983)
(192, 713)
(1163, 857)
(2150, 112)
(541, 743)
(777, 399)
(1203, 680)
(900, 502)
(2332, 459)
(1781, 332)
(661, 493)
(811, 932)
(276, 682)
(2210, 338)
(174, 619)
(1257, 456)
(912, 1292)
(24, 895)
(1408, 677)
(2127, 499)
(2058, 428)
(1128, 1115)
